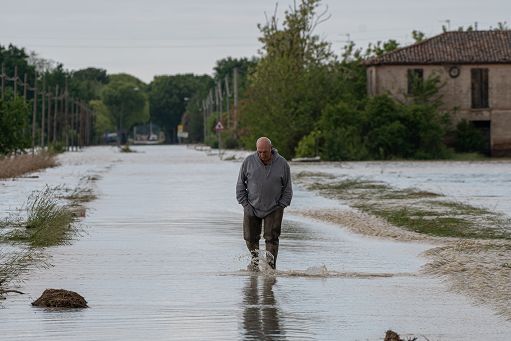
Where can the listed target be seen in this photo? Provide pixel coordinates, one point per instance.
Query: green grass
(48, 222)
(417, 210)
(469, 157)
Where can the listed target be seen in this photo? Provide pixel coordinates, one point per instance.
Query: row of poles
(218, 96)
(62, 119)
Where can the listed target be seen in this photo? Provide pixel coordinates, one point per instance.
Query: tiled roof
(475, 47)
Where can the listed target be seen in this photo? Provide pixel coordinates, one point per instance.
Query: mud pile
(60, 298)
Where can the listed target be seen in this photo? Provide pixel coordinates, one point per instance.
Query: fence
(56, 116)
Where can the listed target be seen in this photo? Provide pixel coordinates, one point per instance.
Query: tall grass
(48, 220)
(14, 166)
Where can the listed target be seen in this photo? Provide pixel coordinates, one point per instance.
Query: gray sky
(154, 37)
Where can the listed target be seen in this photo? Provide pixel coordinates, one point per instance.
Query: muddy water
(162, 258)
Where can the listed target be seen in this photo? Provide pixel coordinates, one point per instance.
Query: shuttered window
(480, 88)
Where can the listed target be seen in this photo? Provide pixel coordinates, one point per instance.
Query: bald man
(264, 190)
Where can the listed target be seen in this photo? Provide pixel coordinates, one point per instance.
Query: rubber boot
(254, 253)
(273, 249)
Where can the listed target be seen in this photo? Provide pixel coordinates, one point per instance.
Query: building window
(480, 88)
(415, 78)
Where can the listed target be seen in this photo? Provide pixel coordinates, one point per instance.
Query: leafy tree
(342, 136)
(292, 81)
(225, 67)
(13, 123)
(169, 97)
(103, 122)
(87, 84)
(126, 101)
(12, 57)
(418, 36)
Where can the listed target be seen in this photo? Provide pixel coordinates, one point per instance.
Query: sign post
(219, 127)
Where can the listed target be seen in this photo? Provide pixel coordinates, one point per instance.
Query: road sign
(219, 126)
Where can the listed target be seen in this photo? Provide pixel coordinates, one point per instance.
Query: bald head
(263, 141)
(263, 146)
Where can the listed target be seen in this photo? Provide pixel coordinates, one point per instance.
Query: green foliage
(418, 36)
(292, 82)
(86, 84)
(103, 122)
(225, 67)
(468, 138)
(12, 57)
(382, 129)
(56, 148)
(308, 145)
(13, 123)
(48, 221)
(126, 101)
(341, 128)
(169, 97)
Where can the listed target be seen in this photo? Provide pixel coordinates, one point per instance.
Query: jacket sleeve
(241, 186)
(287, 188)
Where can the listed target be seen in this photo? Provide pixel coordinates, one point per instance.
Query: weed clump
(48, 221)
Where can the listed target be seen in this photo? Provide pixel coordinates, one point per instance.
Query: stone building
(474, 69)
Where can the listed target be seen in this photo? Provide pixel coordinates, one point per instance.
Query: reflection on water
(260, 309)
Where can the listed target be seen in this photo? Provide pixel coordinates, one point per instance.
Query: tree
(13, 123)
(293, 80)
(87, 84)
(169, 97)
(12, 57)
(418, 36)
(126, 101)
(225, 67)
(103, 122)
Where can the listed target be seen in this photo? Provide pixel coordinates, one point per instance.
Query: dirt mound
(60, 298)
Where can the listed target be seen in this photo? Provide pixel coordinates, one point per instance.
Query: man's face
(264, 151)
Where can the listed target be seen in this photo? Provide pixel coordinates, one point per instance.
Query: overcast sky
(154, 37)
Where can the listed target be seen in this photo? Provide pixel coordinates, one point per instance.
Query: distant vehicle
(110, 138)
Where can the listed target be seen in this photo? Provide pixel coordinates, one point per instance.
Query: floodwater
(161, 257)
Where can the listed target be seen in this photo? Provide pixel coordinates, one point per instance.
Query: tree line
(312, 102)
(297, 91)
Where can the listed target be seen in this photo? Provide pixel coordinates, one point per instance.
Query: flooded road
(161, 257)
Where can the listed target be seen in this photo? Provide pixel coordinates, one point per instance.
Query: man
(264, 189)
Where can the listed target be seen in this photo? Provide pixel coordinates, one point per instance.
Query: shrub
(468, 138)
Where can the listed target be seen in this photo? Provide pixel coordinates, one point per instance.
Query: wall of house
(456, 95)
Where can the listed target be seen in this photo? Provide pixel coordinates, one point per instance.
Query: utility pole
(228, 96)
(3, 80)
(15, 86)
(33, 118)
(204, 108)
(43, 111)
(25, 84)
(48, 125)
(66, 103)
(220, 100)
(235, 90)
(55, 108)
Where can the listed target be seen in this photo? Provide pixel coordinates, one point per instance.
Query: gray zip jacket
(264, 187)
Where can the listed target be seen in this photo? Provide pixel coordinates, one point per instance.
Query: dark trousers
(252, 226)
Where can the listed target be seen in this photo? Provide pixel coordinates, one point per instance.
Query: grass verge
(15, 166)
